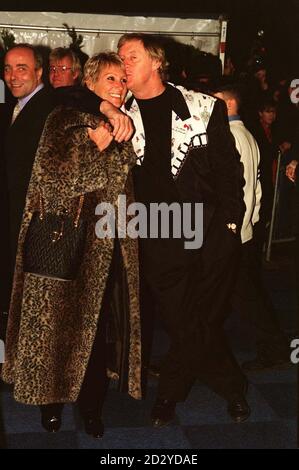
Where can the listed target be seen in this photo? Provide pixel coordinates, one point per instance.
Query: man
(250, 158)
(185, 153)
(292, 173)
(272, 343)
(23, 76)
(64, 67)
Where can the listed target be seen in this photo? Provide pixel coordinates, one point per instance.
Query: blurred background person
(64, 67)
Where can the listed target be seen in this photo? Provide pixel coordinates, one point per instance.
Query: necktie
(15, 113)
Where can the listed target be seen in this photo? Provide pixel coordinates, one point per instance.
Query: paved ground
(201, 422)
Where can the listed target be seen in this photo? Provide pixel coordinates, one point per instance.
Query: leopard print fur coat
(52, 323)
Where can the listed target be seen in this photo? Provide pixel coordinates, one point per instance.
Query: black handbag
(54, 244)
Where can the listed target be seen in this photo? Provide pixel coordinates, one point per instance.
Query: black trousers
(250, 296)
(95, 384)
(193, 308)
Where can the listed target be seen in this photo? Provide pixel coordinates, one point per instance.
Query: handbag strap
(79, 209)
(80, 205)
(41, 205)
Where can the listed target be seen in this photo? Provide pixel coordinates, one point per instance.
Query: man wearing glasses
(65, 67)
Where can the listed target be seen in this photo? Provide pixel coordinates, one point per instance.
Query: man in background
(249, 290)
(64, 67)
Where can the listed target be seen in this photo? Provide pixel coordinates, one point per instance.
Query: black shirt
(153, 179)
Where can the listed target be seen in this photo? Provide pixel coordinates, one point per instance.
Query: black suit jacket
(20, 143)
(212, 175)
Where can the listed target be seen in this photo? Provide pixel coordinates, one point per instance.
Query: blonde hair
(61, 52)
(98, 62)
(151, 44)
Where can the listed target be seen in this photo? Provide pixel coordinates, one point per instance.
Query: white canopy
(101, 32)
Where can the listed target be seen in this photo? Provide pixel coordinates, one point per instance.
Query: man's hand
(122, 125)
(101, 136)
(291, 169)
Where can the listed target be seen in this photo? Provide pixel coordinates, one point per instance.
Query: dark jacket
(20, 146)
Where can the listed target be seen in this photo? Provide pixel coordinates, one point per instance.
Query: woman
(62, 337)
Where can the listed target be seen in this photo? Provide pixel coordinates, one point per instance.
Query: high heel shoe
(93, 423)
(51, 416)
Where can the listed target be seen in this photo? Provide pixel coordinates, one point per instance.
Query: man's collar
(234, 117)
(27, 98)
(178, 103)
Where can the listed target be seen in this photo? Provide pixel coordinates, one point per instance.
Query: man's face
(111, 84)
(141, 69)
(261, 75)
(268, 116)
(231, 104)
(20, 73)
(61, 73)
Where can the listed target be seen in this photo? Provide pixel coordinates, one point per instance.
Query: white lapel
(138, 139)
(185, 135)
(190, 133)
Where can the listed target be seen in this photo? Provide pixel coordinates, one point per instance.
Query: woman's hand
(101, 136)
(122, 125)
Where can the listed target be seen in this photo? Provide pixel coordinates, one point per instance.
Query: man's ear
(76, 74)
(39, 73)
(156, 64)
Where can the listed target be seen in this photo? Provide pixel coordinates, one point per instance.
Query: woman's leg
(95, 384)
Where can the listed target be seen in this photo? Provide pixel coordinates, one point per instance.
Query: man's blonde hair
(151, 44)
(60, 53)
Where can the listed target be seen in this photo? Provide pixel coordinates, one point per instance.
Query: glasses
(59, 68)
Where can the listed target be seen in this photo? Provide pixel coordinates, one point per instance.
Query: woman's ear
(90, 85)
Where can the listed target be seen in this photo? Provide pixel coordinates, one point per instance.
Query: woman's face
(111, 84)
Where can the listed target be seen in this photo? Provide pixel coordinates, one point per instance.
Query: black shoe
(260, 364)
(93, 423)
(51, 416)
(238, 408)
(163, 413)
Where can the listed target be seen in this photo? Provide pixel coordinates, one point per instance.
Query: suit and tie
(20, 143)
